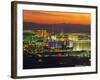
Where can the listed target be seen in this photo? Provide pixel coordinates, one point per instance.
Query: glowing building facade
(61, 40)
(80, 41)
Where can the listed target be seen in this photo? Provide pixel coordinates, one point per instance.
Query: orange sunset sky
(43, 17)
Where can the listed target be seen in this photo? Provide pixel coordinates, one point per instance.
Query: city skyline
(56, 39)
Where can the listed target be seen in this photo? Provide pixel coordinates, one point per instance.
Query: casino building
(80, 41)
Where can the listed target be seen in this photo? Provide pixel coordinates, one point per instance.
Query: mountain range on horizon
(78, 28)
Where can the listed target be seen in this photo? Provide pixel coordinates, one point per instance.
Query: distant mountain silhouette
(58, 27)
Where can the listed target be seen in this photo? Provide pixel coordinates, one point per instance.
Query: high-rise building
(80, 41)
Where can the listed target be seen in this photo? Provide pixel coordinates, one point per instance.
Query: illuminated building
(80, 41)
(64, 41)
(62, 36)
